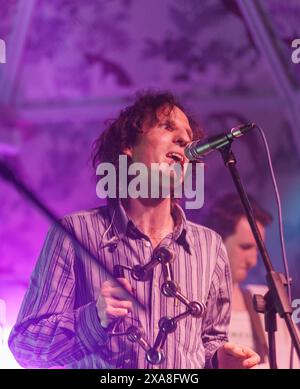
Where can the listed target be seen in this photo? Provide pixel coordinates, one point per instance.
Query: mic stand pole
(276, 299)
(8, 175)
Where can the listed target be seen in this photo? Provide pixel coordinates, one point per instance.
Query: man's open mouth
(176, 157)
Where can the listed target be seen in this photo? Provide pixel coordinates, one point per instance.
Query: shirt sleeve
(49, 331)
(218, 308)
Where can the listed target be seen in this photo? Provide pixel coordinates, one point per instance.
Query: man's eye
(246, 246)
(167, 126)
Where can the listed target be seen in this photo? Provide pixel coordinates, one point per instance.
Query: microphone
(199, 148)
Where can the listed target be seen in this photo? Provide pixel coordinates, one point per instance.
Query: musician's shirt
(240, 330)
(58, 323)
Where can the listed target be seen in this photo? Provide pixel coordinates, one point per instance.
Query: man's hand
(236, 356)
(112, 302)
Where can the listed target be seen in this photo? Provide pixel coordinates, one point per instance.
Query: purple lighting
(72, 65)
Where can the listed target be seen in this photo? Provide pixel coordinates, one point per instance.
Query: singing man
(73, 314)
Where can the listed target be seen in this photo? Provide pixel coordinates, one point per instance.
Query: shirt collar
(125, 226)
(180, 231)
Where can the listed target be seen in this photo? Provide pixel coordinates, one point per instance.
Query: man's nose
(252, 258)
(182, 140)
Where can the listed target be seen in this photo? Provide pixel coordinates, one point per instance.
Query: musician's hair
(225, 213)
(123, 132)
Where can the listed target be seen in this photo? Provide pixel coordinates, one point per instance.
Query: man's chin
(174, 188)
(241, 275)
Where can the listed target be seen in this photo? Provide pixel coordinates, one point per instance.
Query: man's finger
(117, 312)
(252, 361)
(234, 350)
(120, 294)
(123, 281)
(119, 304)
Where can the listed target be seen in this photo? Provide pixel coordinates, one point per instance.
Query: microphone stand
(8, 175)
(276, 299)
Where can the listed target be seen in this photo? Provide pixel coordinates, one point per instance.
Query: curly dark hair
(123, 132)
(225, 213)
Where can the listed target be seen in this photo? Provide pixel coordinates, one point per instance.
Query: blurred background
(72, 64)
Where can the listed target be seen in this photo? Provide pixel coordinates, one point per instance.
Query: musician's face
(242, 250)
(164, 141)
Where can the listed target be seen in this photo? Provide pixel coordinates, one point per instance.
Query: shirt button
(147, 243)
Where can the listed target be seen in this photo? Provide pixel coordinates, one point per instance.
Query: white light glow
(7, 360)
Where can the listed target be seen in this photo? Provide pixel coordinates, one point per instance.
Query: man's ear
(128, 151)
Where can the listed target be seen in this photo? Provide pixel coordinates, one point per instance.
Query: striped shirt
(58, 324)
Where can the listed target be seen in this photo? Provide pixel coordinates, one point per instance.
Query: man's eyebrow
(247, 245)
(173, 124)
